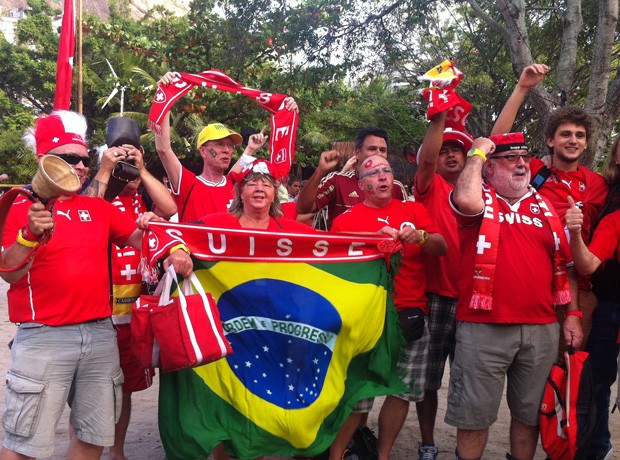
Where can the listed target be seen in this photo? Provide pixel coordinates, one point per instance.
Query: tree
(586, 56)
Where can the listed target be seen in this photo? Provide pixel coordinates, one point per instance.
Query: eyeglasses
(513, 157)
(376, 172)
(223, 144)
(73, 158)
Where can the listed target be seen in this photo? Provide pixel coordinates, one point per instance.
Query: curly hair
(236, 207)
(568, 115)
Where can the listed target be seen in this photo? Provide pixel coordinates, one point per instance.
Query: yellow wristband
(478, 152)
(181, 246)
(24, 242)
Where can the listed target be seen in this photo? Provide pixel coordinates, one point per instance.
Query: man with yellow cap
(211, 191)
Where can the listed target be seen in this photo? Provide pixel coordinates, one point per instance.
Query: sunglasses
(513, 157)
(73, 158)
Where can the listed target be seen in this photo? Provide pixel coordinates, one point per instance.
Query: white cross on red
(128, 272)
(482, 244)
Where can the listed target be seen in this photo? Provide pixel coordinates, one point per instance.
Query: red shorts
(136, 377)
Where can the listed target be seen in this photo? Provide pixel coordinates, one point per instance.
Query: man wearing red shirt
(410, 223)
(513, 274)
(211, 191)
(338, 191)
(65, 347)
(566, 133)
(441, 159)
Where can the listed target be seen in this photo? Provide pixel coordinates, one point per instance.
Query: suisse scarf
(283, 122)
(487, 249)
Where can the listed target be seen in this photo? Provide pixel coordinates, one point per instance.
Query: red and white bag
(178, 332)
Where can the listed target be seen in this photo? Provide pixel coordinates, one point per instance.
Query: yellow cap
(216, 131)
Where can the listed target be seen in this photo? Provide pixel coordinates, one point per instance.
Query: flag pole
(79, 54)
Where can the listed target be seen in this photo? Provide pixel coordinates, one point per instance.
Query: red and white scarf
(283, 123)
(487, 249)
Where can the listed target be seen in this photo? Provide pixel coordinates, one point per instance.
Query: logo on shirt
(84, 215)
(534, 208)
(385, 221)
(353, 194)
(582, 186)
(66, 214)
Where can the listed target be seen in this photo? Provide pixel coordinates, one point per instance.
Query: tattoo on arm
(95, 188)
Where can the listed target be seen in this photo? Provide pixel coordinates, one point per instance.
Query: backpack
(567, 410)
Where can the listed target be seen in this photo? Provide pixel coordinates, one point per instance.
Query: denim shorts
(485, 355)
(55, 365)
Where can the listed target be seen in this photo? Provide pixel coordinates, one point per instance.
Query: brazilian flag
(310, 339)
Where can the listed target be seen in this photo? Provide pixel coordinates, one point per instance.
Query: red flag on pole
(64, 65)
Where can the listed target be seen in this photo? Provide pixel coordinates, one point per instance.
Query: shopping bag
(143, 344)
(188, 327)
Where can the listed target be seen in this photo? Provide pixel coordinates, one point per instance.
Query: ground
(143, 437)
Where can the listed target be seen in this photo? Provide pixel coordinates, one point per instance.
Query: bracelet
(24, 242)
(424, 238)
(478, 152)
(181, 246)
(29, 236)
(577, 313)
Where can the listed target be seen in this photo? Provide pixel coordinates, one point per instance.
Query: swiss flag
(64, 64)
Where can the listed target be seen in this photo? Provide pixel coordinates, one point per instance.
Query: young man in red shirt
(409, 223)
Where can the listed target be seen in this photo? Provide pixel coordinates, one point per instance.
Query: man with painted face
(513, 274)
(338, 191)
(409, 223)
(211, 191)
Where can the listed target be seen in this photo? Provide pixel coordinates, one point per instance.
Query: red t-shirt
(523, 289)
(340, 191)
(606, 238)
(410, 282)
(126, 278)
(198, 197)
(442, 272)
(68, 282)
(587, 188)
(227, 220)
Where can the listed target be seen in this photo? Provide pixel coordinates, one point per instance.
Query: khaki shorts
(53, 366)
(485, 354)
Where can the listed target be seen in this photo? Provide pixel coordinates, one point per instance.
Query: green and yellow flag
(313, 331)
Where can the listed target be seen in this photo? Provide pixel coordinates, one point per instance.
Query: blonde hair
(611, 170)
(236, 207)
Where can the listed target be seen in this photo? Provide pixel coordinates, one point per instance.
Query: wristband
(29, 236)
(24, 242)
(576, 313)
(478, 152)
(423, 239)
(181, 246)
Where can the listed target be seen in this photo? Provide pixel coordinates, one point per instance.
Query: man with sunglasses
(514, 254)
(410, 224)
(65, 348)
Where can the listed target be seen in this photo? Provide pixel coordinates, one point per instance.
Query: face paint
(369, 186)
(368, 164)
(213, 153)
